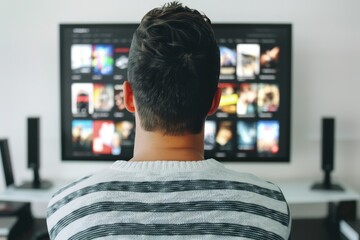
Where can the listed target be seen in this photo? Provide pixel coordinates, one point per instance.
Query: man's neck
(155, 146)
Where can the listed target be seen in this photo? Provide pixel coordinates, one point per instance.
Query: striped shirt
(169, 200)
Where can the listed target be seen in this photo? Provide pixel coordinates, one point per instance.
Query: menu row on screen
(109, 137)
(244, 99)
(241, 61)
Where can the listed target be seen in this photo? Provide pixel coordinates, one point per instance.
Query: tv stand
(36, 183)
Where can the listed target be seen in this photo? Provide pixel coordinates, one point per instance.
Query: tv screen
(252, 123)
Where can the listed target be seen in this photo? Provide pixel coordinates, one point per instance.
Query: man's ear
(215, 102)
(128, 97)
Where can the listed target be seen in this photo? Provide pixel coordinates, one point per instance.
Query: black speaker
(6, 161)
(328, 144)
(327, 155)
(33, 142)
(33, 154)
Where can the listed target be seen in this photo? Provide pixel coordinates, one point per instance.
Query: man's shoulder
(212, 179)
(245, 179)
(81, 184)
(233, 195)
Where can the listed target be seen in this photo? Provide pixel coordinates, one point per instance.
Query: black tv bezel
(286, 26)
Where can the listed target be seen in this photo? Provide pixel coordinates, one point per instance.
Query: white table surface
(300, 192)
(295, 192)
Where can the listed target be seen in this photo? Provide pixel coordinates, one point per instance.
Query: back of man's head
(174, 69)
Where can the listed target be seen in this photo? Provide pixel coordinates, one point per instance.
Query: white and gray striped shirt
(169, 200)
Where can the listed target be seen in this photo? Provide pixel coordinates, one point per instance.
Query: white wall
(326, 57)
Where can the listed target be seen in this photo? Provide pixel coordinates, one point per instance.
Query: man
(167, 190)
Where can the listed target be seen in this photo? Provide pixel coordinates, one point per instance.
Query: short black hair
(174, 67)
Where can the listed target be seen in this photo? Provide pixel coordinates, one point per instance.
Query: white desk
(31, 195)
(295, 192)
(340, 204)
(39, 198)
(300, 192)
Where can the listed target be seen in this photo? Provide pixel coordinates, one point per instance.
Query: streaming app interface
(253, 119)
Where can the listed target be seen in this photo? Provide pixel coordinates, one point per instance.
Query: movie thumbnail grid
(260, 136)
(103, 137)
(249, 61)
(97, 100)
(241, 62)
(99, 60)
(249, 99)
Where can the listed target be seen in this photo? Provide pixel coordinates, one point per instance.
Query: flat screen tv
(252, 123)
